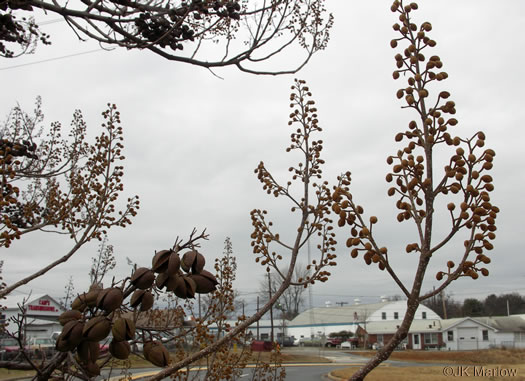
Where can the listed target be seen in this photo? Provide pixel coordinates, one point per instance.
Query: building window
(450, 335)
(430, 338)
(265, 336)
(383, 315)
(423, 315)
(485, 335)
(380, 339)
(416, 339)
(396, 315)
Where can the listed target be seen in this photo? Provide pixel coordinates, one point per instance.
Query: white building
(484, 332)
(323, 321)
(41, 314)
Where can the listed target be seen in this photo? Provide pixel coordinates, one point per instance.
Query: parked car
(9, 348)
(346, 345)
(41, 346)
(333, 342)
(310, 342)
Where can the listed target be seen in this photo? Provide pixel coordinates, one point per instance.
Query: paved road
(302, 372)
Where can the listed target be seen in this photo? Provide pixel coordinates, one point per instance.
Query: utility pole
(258, 319)
(271, 308)
(508, 308)
(199, 307)
(341, 303)
(444, 305)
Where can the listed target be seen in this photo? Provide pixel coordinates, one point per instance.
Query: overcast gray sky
(192, 141)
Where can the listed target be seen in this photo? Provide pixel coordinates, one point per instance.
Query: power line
(50, 22)
(52, 59)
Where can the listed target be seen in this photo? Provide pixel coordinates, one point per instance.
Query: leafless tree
(240, 33)
(292, 299)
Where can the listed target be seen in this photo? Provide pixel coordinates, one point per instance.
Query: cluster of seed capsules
(97, 313)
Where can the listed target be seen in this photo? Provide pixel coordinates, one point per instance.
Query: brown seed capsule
(156, 353)
(97, 328)
(123, 329)
(70, 336)
(143, 298)
(160, 261)
(88, 351)
(186, 289)
(439, 276)
(68, 316)
(173, 264)
(142, 278)
(79, 303)
(91, 296)
(205, 281)
(92, 369)
(119, 349)
(193, 261)
(188, 259)
(110, 299)
(162, 280)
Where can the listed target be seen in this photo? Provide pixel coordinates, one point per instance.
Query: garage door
(467, 338)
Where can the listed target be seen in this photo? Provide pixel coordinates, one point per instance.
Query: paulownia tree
(241, 33)
(425, 189)
(62, 185)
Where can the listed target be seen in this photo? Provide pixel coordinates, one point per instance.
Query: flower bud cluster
(315, 215)
(465, 179)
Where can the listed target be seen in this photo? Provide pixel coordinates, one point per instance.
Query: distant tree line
(493, 305)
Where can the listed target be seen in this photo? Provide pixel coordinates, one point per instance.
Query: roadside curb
(334, 378)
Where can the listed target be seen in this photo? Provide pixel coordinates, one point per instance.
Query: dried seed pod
(92, 369)
(160, 261)
(70, 336)
(172, 283)
(68, 316)
(188, 259)
(173, 264)
(156, 353)
(204, 284)
(194, 261)
(186, 289)
(88, 351)
(97, 328)
(119, 349)
(91, 297)
(79, 303)
(142, 298)
(161, 280)
(110, 299)
(123, 329)
(142, 278)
